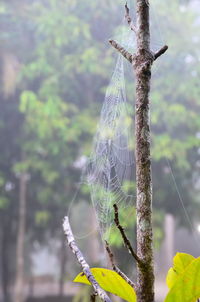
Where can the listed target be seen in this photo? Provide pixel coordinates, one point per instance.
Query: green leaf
(180, 261)
(187, 286)
(111, 282)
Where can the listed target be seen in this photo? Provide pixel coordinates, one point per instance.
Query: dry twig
(129, 20)
(124, 237)
(122, 50)
(115, 268)
(86, 269)
(130, 57)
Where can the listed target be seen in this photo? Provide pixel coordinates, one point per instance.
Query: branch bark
(127, 55)
(160, 52)
(142, 68)
(86, 269)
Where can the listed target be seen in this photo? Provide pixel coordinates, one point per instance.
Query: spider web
(110, 171)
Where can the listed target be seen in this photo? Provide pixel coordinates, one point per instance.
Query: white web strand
(191, 226)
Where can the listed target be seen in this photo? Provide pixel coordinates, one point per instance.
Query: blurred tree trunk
(63, 260)
(19, 281)
(31, 287)
(10, 70)
(5, 264)
(169, 224)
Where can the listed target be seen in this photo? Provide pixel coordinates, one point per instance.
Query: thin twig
(129, 20)
(115, 268)
(160, 52)
(124, 237)
(122, 50)
(86, 269)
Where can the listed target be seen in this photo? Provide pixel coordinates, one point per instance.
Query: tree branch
(86, 269)
(160, 52)
(129, 20)
(115, 268)
(122, 50)
(124, 237)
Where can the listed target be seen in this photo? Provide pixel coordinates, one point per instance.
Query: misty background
(55, 65)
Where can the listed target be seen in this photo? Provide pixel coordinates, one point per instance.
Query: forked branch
(86, 269)
(130, 57)
(124, 237)
(115, 268)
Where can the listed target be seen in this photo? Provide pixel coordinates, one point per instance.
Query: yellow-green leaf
(187, 286)
(180, 263)
(111, 282)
